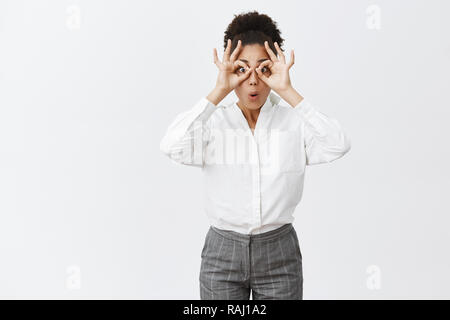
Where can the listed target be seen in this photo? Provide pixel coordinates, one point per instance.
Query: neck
(249, 114)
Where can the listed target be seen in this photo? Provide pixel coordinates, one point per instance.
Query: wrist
(217, 95)
(291, 96)
(222, 90)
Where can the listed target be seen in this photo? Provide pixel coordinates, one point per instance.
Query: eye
(241, 68)
(264, 69)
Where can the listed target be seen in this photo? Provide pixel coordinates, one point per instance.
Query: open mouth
(253, 95)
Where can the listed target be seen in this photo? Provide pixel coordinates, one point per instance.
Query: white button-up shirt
(253, 180)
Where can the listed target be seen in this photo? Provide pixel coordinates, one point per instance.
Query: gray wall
(90, 208)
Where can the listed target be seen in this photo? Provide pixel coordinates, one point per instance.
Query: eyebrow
(260, 60)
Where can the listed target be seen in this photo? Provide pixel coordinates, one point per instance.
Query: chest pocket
(286, 151)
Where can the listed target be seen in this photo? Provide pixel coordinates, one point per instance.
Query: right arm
(187, 136)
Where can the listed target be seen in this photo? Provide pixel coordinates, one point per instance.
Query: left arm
(324, 138)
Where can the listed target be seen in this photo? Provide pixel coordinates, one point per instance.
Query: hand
(227, 79)
(278, 80)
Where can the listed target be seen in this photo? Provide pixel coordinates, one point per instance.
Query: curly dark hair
(253, 27)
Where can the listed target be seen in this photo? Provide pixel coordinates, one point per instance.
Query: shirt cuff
(205, 108)
(305, 109)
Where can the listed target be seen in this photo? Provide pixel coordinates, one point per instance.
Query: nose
(253, 78)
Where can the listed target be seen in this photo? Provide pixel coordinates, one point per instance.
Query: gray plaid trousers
(267, 265)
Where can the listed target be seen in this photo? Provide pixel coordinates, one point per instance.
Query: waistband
(269, 235)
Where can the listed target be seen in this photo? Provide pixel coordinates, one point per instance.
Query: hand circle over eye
(229, 68)
(263, 69)
(279, 79)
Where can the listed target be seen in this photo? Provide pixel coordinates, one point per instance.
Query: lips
(253, 94)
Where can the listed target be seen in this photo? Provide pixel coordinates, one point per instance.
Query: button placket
(260, 124)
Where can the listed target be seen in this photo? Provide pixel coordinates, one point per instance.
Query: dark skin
(256, 77)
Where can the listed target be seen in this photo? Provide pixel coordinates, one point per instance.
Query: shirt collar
(271, 101)
(265, 113)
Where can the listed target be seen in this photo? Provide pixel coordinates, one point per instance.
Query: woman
(253, 155)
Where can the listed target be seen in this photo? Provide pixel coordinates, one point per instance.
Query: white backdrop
(90, 207)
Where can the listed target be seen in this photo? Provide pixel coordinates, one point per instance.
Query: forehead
(254, 53)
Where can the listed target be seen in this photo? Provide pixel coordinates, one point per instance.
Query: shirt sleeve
(324, 138)
(187, 136)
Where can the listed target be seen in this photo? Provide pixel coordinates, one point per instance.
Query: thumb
(260, 74)
(249, 70)
(246, 74)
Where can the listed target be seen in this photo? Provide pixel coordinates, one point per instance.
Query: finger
(272, 55)
(267, 64)
(241, 77)
(235, 51)
(216, 58)
(261, 75)
(291, 63)
(226, 56)
(280, 53)
(246, 74)
(239, 63)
